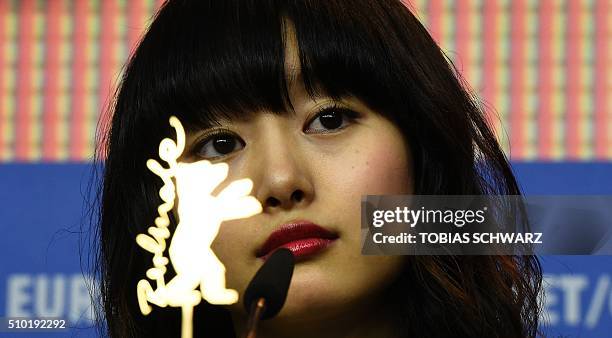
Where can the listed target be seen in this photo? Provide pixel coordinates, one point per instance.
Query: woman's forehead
(293, 67)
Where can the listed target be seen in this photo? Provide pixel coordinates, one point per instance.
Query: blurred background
(542, 69)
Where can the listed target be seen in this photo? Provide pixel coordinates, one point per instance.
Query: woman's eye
(330, 120)
(219, 145)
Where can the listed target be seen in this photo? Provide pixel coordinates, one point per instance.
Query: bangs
(207, 60)
(354, 48)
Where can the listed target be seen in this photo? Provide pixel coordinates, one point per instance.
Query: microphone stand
(266, 293)
(257, 309)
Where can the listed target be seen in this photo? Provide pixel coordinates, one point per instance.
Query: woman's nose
(284, 180)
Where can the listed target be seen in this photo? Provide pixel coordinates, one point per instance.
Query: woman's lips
(303, 238)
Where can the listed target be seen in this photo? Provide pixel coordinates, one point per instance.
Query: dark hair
(204, 59)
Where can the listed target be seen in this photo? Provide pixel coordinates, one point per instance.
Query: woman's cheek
(231, 247)
(377, 168)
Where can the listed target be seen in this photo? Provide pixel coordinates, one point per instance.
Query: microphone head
(271, 282)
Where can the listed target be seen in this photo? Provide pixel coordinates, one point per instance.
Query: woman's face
(312, 165)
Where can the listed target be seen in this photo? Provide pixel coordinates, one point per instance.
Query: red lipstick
(303, 238)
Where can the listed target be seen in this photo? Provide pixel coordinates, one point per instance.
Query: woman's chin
(313, 295)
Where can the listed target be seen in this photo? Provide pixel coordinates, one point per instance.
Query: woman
(319, 103)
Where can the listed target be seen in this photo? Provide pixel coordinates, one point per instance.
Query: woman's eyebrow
(220, 118)
(206, 124)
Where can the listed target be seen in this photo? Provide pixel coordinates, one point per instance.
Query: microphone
(267, 291)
